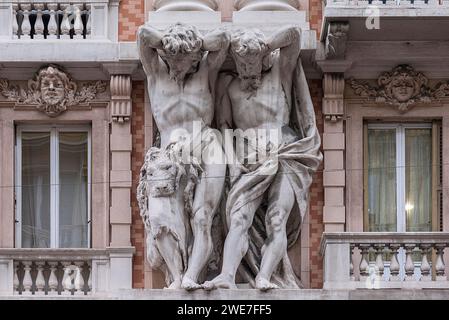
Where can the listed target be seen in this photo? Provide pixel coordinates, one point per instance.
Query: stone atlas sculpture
(253, 195)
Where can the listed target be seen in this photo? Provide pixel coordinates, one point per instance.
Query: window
(401, 177)
(52, 187)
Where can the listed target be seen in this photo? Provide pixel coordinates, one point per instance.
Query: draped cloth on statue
(298, 160)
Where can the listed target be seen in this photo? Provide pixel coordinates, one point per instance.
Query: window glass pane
(418, 179)
(73, 177)
(35, 189)
(382, 180)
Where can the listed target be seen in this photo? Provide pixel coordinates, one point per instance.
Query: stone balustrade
(385, 260)
(46, 20)
(51, 21)
(386, 3)
(54, 271)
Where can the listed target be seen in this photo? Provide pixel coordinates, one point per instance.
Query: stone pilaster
(121, 147)
(334, 147)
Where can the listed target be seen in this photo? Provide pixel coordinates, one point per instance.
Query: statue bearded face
(403, 88)
(52, 89)
(181, 65)
(249, 50)
(181, 50)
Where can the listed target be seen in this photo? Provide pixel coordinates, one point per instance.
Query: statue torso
(266, 108)
(177, 106)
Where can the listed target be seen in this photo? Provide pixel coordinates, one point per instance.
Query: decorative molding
(51, 91)
(333, 101)
(337, 36)
(402, 87)
(182, 5)
(266, 5)
(121, 104)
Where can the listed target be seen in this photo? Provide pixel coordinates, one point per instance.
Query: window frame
(54, 131)
(399, 127)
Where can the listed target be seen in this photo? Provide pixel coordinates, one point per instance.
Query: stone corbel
(333, 101)
(121, 104)
(121, 87)
(266, 5)
(337, 36)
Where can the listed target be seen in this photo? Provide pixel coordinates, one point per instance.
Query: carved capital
(333, 101)
(121, 104)
(337, 36)
(402, 88)
(51, 91)
(182, 5)
(266, 5)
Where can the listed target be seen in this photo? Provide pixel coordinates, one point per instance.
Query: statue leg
(205, 204)
(235, 247)
(281, 199)
(168, 247)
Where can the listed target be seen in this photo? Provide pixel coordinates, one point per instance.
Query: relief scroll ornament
(52, 91)
(402, 87)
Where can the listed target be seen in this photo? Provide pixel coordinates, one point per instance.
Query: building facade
(76, 122)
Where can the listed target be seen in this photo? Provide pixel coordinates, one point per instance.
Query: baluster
(89, 278)
(27, 281)
(40, 280)
(26, 25)
(52, 26)
(16, 282)
(15, 26)
(394, 264)
(52, 279)
(39, 24)
(79, 280)
(65, 23)
(351, 264)
(364, 262)
(88, 19)
(425, 265)
(439, 265)
(78, 25)
(409, 265)
(379, 259)
(66, 279)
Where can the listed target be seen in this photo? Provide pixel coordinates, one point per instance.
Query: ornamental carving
(402, 87)
(52, 91)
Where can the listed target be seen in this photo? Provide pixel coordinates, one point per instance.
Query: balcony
(63, 272)
(385, 260)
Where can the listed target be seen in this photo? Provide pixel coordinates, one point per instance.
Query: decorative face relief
(402, 87)
(51, 91)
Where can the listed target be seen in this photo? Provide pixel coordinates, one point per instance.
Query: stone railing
(386, 3)
(53, 271)
(47, 20)
(384, 260)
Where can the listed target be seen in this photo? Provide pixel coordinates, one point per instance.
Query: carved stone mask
(403, 88)
(52, 89)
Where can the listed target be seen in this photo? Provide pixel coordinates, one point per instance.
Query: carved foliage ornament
(52, 91)
(402, 87)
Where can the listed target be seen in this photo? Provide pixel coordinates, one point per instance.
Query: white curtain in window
(382, 180)
(73, 177)
(418, 175)
(35, 189)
